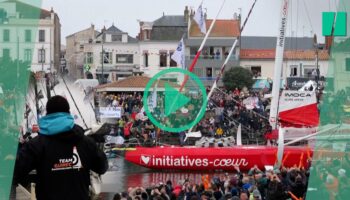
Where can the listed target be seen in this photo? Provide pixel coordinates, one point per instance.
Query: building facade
(216, 49)
(75, 45)
(258, 55)
(112, 55)
(158, 40)
(31, 34)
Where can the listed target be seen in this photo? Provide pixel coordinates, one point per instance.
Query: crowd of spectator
(230, 108)
(226, 110)
(256, 184)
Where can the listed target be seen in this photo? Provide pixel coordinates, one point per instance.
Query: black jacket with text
(63, 162)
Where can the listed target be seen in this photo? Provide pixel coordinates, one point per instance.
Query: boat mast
(277, 80)
(278, 65)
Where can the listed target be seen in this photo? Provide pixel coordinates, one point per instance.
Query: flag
(200, 20)
(179, 55)
(154, 98)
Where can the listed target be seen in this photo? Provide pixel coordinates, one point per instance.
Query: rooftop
(171, 20)
(288, 54)
(261, 42)
(222, 28)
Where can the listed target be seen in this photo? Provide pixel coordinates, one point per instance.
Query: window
(116, 38)
(347, 64)
(6, 54)
(193, 51)
(28, 55)
(145, 59)
(81, 47)
(28, 36)
(309, 71)
(107, 58)
(145, 35)
(89, 58)
(41, 56)
(41, 35)
(172, 62)
(6, 35)
(293, 70)
(124, 58)
(256, 71)
(209, 72)
(163, 59)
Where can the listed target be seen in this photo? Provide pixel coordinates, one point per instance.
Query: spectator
(50, 154)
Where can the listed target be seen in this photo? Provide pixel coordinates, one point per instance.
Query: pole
(317, 71)
(278, 65)
(102, 58)
(64, 81)
(42, 58)
(194, 62)
(36, 98)
(48, 89)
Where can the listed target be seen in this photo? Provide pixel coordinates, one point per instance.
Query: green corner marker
(19, 21)
(171, 109)
(174, 100)
(330, 168)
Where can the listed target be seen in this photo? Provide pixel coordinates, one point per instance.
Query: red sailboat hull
(215, 158)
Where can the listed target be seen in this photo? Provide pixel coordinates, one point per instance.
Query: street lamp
(102, 57)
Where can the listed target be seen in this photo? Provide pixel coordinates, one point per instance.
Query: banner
(110, 112)
(251, 102)
(297, 108)
(295, 83)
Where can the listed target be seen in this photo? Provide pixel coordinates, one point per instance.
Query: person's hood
(56, 123)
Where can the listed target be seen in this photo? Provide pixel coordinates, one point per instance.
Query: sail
(298, 108)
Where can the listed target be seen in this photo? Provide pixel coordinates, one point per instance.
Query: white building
(258, 55)
(31, 34)
(157, 42)
(223, 35)
(120, 55)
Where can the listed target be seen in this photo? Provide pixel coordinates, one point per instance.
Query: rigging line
(308, 15)
(76, 106)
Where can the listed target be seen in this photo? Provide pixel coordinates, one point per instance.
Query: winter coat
(62, 157)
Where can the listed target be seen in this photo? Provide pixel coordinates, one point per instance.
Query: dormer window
(116, 38)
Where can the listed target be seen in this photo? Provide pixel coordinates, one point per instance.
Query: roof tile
(222, 28)
(288, 55)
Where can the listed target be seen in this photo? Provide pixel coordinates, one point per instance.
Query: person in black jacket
(61, 155)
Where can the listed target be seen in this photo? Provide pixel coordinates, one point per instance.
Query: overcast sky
(75, 15)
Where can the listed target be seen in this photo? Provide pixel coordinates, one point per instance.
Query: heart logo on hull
(145, 159)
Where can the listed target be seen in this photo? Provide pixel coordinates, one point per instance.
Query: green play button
(174, 100)
(171, 108)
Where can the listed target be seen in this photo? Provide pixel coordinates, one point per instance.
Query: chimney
(186, 14)
(329, 42)
(191, 14)
(235, 17)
